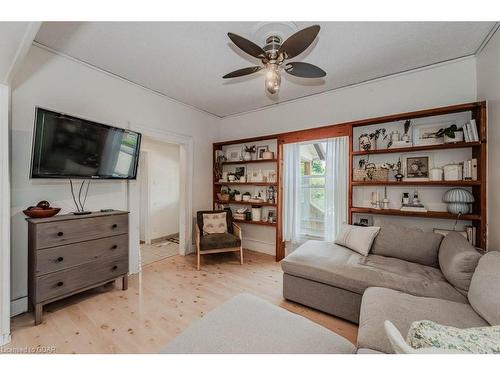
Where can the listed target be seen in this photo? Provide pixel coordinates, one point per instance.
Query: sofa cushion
(410, 244)
(249, 325)
(458, 260)
(357, 238)
(338, 266)
(402, 309)
(484, 290)
(219, 241)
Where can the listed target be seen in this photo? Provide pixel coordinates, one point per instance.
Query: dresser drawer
(62, 257)
(60, 283)
(72, 231)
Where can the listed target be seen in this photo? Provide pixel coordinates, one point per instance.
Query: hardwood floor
(160, 303)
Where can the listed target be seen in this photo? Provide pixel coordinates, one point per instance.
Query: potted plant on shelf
(248, 152)
(368, 141)
(452, 134)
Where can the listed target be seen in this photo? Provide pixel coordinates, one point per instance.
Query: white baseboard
(4, 339)
(18, 306)
(259, 246)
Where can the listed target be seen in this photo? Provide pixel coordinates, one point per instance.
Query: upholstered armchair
(217, 233)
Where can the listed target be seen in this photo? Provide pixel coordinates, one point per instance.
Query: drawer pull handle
(114, 268)
(60, 259)
(60, 234)
(114, 226)
(114, 247)
(60, 283)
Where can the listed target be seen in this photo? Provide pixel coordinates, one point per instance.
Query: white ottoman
(249, 325)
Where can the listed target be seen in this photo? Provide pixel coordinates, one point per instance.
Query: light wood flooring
(158, 251)
(160, 303)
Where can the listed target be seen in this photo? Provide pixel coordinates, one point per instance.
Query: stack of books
(470, 132)
(413, 207)
(470, 169)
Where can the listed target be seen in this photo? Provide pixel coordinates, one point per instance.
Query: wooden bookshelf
(416, 183)
(263, 223)
(250, 161)
(243, 203)
(247, 183)
(253, 165)
(399, 150)
(478, 149)
(428, 214)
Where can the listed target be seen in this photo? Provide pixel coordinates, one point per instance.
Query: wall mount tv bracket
(80, 205)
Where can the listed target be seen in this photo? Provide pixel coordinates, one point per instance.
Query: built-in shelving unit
(259, 164)
(477, 112)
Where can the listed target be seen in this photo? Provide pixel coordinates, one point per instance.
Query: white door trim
(4, 217)
(185, 198)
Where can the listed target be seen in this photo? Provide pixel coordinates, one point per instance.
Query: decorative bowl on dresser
(69, 254)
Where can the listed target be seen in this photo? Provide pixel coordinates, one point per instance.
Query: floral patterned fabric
(480, 340)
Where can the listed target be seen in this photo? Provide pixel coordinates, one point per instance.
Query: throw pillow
(410, 244)
(356, 238)
(400, 346)
(458, 260)
(479, 340)
(214, 223)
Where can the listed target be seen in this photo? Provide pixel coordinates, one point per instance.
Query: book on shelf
(471, 234)
(473, 126)
(470, 131)
(474, 169)
(413, 207)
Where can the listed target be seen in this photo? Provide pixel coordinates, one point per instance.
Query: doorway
(159, 185)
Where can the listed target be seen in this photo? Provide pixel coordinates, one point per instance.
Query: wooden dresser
(69, 254)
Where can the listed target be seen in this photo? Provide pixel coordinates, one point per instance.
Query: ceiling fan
(274, 55)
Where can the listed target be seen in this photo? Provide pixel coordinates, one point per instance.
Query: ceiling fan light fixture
(273, 79)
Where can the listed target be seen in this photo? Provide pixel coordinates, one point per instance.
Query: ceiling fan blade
(243, 72)
(247, 46)
(305, 70)
(298, 42)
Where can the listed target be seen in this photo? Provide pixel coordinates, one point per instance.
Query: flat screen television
(70, 147)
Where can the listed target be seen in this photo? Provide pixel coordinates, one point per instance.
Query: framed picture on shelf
(426, 134)
(233, 153)
(260, 151)
(240, 171)
(417, 168)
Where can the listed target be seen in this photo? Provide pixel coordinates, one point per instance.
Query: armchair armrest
(237, 230)
(197, 237)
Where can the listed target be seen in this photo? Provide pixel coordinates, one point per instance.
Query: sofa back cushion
(458, 260)
(484, 289)
(412, 245)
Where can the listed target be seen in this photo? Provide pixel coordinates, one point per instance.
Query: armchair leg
(241, 254)
(198, 260)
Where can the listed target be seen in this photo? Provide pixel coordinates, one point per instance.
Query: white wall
(4, 216)
(59, 83)
(164, 175)
(439, 85)
(488, 88)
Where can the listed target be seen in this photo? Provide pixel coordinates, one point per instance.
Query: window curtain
(291, 192)
(336, 186)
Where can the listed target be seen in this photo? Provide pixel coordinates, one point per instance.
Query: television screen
(70, 147)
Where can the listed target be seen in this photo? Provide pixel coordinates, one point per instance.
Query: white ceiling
(186, 60)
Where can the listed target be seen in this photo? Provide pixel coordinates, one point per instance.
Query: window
(312, 192)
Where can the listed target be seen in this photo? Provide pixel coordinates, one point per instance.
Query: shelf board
(428, 214)
(443, 146)
(247, 203)
(417, 183)
(248, 183)
(254, 223)
(251, 161)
